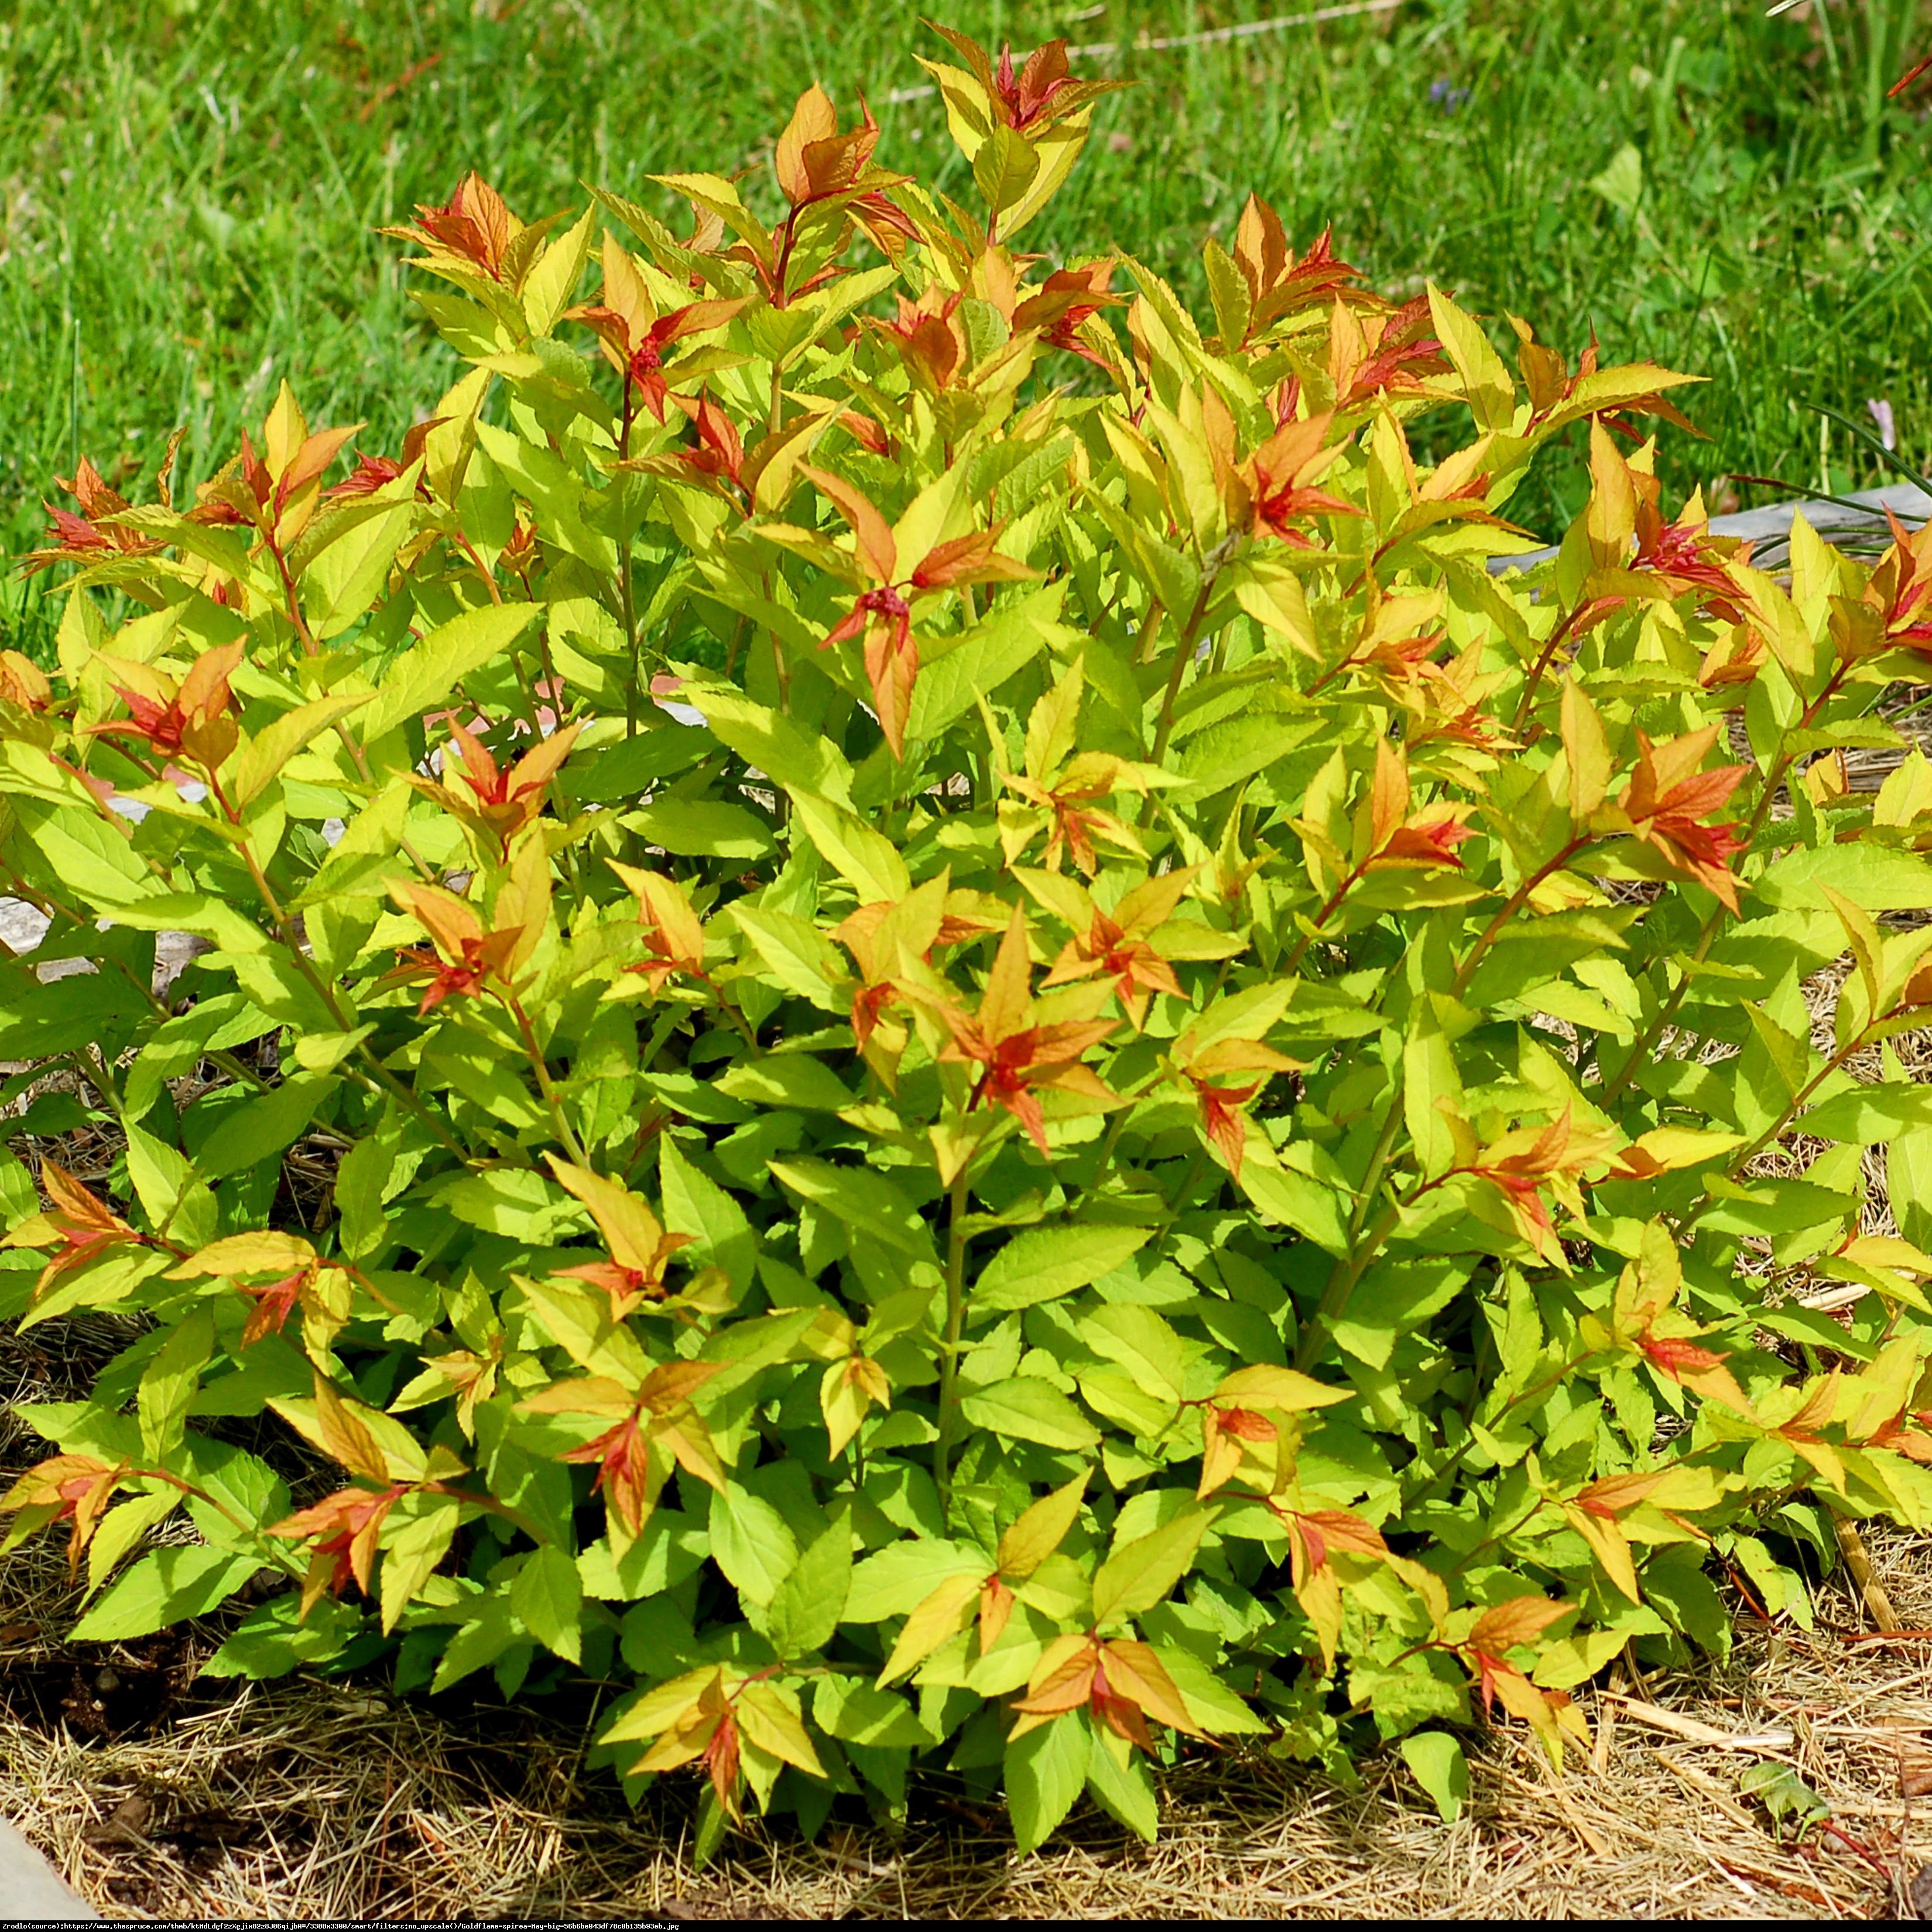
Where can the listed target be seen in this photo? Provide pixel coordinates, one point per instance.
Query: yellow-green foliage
(1017, 1067)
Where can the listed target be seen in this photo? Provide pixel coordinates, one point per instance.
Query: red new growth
(256, 491)
(82, 538)
(1045, 75)
(1428, 841)
(1900, 588)
(1677, 1357)
(1680, 552)
(629, 1287)
(1667, 797)
(929, 335)
(372, 472)
(475, 224)
(1279, 284)
(1280, 478)
(631, 334)
(1039, 95)
(466, 958)
(720, 450)
(882, 614)
(348, 1524)
(824, 173)
(1120, 1684)
(193, 721)
(476, 960)
(72, 1489)
(720, 1759)
(1388, 356)
(79, 1225)
(1064, 304)
(1018, 1056)
(1137, 971)
(622, 1455)
(274, 1302)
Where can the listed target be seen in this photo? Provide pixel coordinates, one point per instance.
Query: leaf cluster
(1013, 1073)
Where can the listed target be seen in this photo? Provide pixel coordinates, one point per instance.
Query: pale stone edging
(31, 1889)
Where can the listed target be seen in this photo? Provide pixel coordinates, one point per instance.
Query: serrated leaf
(751, 1544)
(1140, 1574)
(426, 676)
(547, 1600)
(165, 1587)
(1440, 1768)
(808, 1604)
(863, 857)
(1026, 1409)
(1043, 1264)
(1045, 1768)
(869, 1204)
(1141, 1342)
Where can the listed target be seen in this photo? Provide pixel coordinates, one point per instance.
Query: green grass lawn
(188, 188)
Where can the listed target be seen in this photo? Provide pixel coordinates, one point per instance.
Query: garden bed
(1386, 1313)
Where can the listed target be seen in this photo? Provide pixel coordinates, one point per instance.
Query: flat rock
(22, 928)
(30, 1888)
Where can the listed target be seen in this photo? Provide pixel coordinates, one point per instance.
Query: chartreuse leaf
(1486, 380)
(983, 659)
(856, 1712)
(751, 1544)
(869, 1204)
(166, 1586)
(95, 863)
(798, 955)
(1138, 1574)
(1120, 1785)
(547, 1600)
(1043, 1264)
(809, 1602)
(416, 1537)
(702, 829)
(272, 1640)
(266, 753)
(1432, 1092)
(1868, 1114)
(771, 744)
(1440, 1768)
(169, 1382)
(1143, 1343)
(1908, 1184)
(122, 1528)
(940, 1613)
(1041, 1529)
(1026, 1409)
(695, 1205)
(893, 1581)
(346, 578)
(865, 858)
(260, 1129)
(787, 1080)
(428, 674)
(1045, 1769)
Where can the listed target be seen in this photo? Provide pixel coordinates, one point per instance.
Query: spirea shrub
(1010, 1070)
